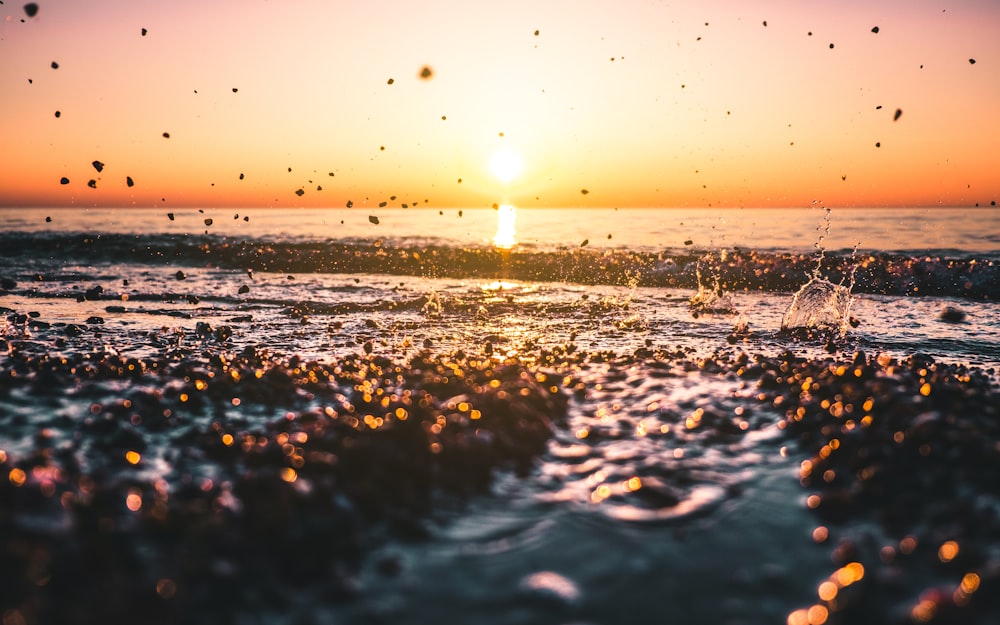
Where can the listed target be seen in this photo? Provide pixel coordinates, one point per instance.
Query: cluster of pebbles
(902, 466)
(203, 487)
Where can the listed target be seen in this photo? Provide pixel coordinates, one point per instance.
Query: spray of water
(711, 297)
(821, 305)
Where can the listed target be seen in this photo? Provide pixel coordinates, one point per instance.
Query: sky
(311, 103)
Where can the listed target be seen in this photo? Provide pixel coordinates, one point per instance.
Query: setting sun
(506, 164)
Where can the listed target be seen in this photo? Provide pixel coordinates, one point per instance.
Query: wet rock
(951, 314)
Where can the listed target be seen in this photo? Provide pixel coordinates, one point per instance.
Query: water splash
(711, 296)
(821, 305)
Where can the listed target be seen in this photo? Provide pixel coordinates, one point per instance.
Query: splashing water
(820, 304)
(710, 298)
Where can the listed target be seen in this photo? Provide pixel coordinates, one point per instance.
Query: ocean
(387, 415)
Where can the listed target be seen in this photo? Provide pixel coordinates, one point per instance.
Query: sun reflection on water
(506, 236)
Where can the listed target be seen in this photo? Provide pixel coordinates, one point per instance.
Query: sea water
(672, 487)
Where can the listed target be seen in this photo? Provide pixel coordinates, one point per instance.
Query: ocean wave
(43, 257)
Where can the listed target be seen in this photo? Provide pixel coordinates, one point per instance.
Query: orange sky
(639, 103)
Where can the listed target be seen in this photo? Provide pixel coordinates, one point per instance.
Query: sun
(506, 164)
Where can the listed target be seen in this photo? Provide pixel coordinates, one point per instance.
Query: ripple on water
(645, 449)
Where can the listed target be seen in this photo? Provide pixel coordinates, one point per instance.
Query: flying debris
(129, 181)
(426, 72)
(55, 65)
(64, 180)
(373, 219)
(98, 165)
(875, 30)
(300, 192)
(144, 31)
(899, 113)
(31, 9)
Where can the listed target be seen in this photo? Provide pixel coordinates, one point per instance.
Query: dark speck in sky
(144, 31)
(241, 176)
(300, 192)
(235, 89)
(584, 191)
(390, 81)
(350, 203)
(92, 184)
(64, 180)
(585, 243)
(426, 72)
(536, 33)
(31, 9)
(765, 23)
(129, 181)
(58, 114)
(166, 135)
(831, 46)
(55, 65)
(98, 165)
(899, 113)
(972, 61)
(382, 204)
(878, 107)
(878, 144)
(373, 219)
(170, 216)
(875, 30)
(208, 221)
